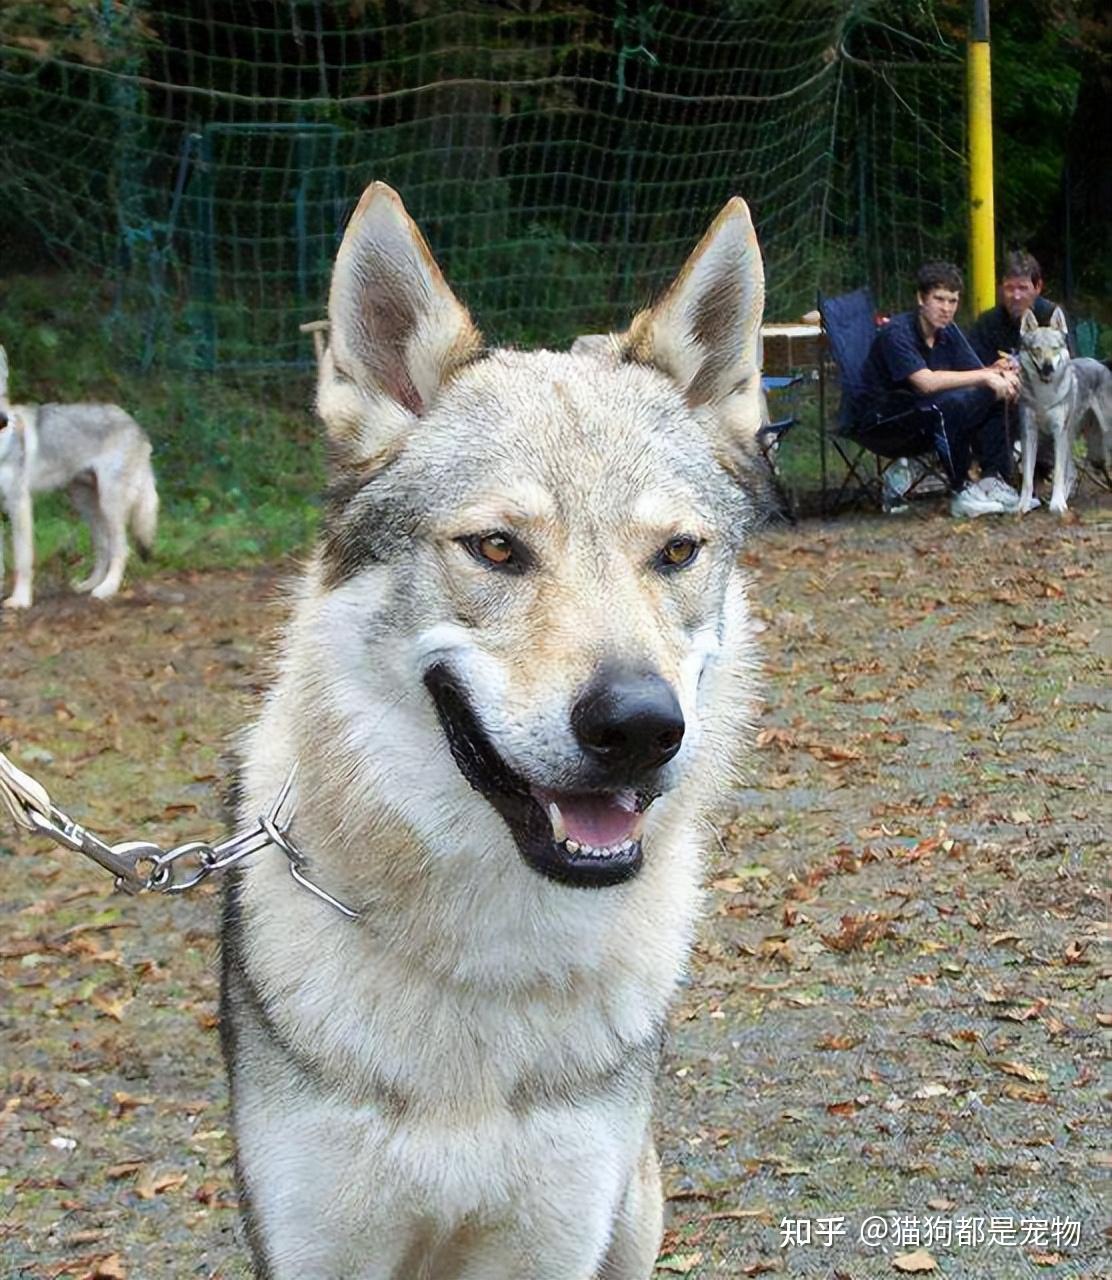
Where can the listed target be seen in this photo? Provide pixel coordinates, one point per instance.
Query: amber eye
(677, 553)
(498, 550)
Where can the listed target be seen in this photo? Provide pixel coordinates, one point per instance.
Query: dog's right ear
(396, 333)
(1028, 324)
(704, 333)
(1058, 321)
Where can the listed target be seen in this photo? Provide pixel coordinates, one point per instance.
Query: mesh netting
(561, 158)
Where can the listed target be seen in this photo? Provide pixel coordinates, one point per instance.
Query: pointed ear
(396, 332)
(704, 332)
(1058, 321)
(1028, 324)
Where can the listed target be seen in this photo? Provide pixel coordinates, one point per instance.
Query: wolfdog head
(1043, 351)
(528, 575)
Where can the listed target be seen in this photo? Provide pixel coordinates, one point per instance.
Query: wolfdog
(102, 458)
(1060, 396)
(516, 682)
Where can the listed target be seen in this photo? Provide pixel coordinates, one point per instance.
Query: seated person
(923, 387)
(996, 331)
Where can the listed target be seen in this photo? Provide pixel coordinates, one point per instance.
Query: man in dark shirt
(996, 331)
(923, 386)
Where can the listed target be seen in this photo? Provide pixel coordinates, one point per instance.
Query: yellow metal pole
(982, 219)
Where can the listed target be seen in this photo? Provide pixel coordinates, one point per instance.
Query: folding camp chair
(773, 430)
(849, 325)
(771, 433)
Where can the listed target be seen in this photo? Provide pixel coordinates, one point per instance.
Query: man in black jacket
(996, 331)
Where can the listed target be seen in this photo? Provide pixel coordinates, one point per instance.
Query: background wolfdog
(102, 458)
(516, 679)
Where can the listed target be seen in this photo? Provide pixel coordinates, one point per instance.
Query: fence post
(982, 232)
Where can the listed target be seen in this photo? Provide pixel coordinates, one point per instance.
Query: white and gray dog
(1061, 397)
(517, 683)
(101, 456)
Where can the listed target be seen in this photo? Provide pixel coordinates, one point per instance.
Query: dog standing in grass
(101, 456)
(1063, 397)
(516, 683)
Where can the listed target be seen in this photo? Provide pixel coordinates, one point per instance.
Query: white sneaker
(972, 501)
(997, 490)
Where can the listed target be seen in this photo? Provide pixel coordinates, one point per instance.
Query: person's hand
(1004, 382)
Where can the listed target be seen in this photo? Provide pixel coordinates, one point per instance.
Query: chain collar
(139, 865)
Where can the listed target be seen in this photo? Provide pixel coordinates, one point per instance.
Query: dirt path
(896, 1006)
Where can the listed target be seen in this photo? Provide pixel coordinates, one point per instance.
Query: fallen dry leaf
(832, 1043)
(128, 1102)
(679, 1263)
(148, 1185)
(858, 933)
(109, 1268)
(847, 1108)
(1026, 1093)
(1020, 1069)
(920, 1260)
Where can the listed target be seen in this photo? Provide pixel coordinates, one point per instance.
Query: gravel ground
(892, 1052)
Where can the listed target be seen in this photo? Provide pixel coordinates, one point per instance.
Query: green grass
(238, 468)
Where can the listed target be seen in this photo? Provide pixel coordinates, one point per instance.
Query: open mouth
(588, 839)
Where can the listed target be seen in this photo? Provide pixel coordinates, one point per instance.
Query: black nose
(629, 722)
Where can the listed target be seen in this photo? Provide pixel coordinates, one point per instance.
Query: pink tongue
(593, 820)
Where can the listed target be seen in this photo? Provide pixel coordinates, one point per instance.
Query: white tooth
(638, 827)
(559, 830)
(572, 846)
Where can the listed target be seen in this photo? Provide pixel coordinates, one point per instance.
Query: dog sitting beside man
(923, 386)
(927, 385)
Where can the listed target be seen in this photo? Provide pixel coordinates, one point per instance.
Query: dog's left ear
(1058, 321)
(1028, 324)
(396, 332)
(705, 331)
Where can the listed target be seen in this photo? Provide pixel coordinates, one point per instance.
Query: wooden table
(790, 348)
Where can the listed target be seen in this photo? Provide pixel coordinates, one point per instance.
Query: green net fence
(561, 157)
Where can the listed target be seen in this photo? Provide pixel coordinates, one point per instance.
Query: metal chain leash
(140, 865)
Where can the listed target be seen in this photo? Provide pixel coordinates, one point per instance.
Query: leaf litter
(898, 1006)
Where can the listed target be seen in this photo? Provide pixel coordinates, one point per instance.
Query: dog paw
(1058, 508)
(17, 600)
(104, 592)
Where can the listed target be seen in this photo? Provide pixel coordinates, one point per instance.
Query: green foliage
(1035, 83)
